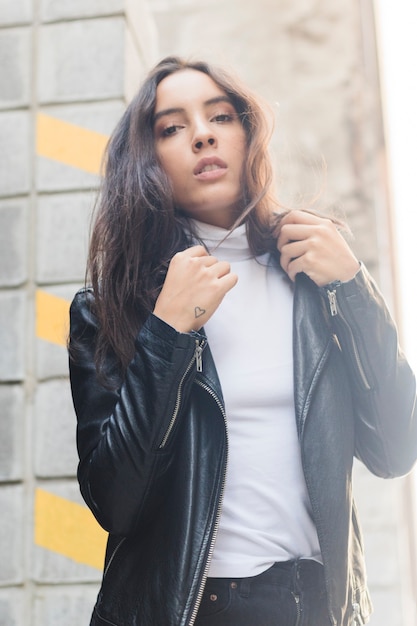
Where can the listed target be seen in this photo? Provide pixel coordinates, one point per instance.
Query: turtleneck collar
(235, 246)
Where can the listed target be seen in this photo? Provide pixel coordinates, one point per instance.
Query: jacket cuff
(362, 281)
(166, 336)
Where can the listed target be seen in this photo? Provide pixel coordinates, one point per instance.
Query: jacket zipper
(356, 618)
(334, 310)
(297, 602)
(197, 358)
(331, 294)
(218, 513)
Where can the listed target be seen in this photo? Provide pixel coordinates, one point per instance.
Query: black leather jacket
(153, 454)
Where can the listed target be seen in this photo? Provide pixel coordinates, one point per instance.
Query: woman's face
(201, 145)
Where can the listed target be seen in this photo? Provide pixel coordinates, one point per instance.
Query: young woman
(226, 366)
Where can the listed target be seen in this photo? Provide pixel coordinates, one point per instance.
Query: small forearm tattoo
(198, 311)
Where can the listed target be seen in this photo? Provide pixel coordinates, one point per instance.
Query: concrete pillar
(67, 69)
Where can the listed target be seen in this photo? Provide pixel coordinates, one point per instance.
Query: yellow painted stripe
(69, 143)
(69, 529)
(52, 315)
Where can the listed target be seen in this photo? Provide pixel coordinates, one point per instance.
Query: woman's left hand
(313, 245)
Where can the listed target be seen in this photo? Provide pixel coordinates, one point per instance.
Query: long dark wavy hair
(137, 228)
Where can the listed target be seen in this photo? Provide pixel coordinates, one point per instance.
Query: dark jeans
(287, 594)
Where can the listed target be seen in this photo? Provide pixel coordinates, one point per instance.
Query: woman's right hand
(194, 286)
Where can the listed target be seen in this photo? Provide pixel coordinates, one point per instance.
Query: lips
(209, 165)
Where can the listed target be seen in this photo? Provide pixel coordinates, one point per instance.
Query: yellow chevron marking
(52, 315)
(69, 143)
(69, 529)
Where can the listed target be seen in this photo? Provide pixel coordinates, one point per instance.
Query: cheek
(176, 177)
(169, 164)
(241, 149)
(241, 157)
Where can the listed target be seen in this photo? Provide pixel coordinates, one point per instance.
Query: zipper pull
(356, 616)
(332, 301)
(198, 356)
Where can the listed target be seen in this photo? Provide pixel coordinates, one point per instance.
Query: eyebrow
(173, 110)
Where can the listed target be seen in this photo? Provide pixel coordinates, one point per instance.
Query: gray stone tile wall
(81, 60)
(16, 12)
(15, 160)
(13, 241)
(12, 432)
(76, 61)
(13, 335)
(63, 221)
(15, 78)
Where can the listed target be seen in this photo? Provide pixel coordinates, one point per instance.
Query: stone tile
(12, 433)
(15, 161)
(54, 10)
(13, 242)
(63, 488)
(65, 605)
(15, 12)
(50, 567)
(12, 335)
(62, 237)
(12, 607)
(81, 60)
(55, 444)
(100, 117)
(15, 67)
(12, 541)
(51, 359)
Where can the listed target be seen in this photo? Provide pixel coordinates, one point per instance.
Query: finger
(206, 261)
(294, 232)
(191, 258)
(221, 268)
(292, 251)
(296, 225)
(297, 216)
(302, 264)
(228, 281)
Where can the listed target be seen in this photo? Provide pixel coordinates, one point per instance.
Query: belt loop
(244, 587)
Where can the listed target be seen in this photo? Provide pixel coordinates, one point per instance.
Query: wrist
(174, 321)
(351, 272)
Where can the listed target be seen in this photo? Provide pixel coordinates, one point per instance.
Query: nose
(200, 143)
(203, 136)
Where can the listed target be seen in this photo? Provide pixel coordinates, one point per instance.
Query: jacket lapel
(311, 343)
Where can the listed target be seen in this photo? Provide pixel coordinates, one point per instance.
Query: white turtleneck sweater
(266, 515)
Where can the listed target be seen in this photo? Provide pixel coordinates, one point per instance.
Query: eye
(170, 130)
(224, 117)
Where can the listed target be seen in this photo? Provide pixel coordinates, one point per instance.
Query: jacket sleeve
(122, 433)
(384, 387)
